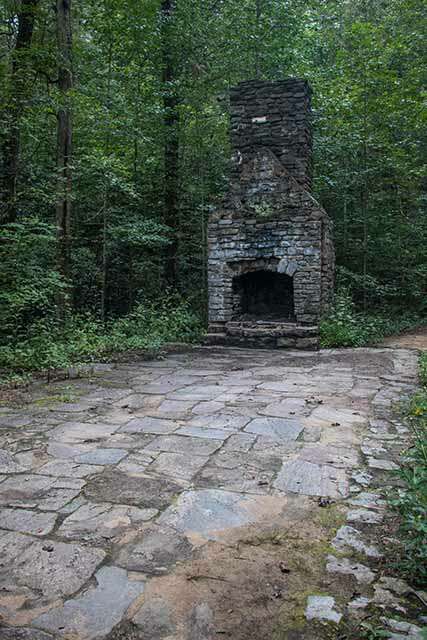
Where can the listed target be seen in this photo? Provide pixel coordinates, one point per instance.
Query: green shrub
(410, 502)
(347, 327)
(29, 285)
(49, 345)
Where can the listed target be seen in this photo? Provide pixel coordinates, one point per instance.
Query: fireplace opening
(263, 294)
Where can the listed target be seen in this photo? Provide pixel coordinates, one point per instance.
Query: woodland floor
(218, 493)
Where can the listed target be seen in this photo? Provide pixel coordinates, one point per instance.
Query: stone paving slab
(98, 610)
(186, 478)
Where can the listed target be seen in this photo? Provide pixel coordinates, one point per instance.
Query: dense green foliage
(346, 326)
(364, 60)
(411, 501)
(50, 345)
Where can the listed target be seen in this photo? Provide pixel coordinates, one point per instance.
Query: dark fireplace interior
(264, 294)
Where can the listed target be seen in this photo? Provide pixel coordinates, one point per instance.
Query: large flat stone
(299, 476)
(8, 464)
(156, 550)
(55, 569)
(184, 444)
(344, 566)
(45, 492)
(178, 465)
(95, 612)
(73, 432)
(37, 524)
(277, 429)
(68, 469)
(102, 456)
(210, 512)
(229, 421)
(13, 633)
(201, 432)
(144, 491)
(350, 538)
(199, 392)
(174, 409)
(286, 408)
(150, 425)
(340, 457)
(101, 522)
(322, 608)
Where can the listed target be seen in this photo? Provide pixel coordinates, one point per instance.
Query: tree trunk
(64, 143)
(17, 99)
(171, 146)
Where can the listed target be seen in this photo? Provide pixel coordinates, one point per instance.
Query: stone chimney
(271, 257)
(274, 115)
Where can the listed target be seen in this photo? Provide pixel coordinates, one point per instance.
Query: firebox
(263, 294)
(271, 257)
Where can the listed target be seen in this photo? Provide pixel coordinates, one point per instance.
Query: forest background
(114, 149)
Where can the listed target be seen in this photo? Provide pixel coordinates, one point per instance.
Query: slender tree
(171, 145)
(18, 93)
(64, 140)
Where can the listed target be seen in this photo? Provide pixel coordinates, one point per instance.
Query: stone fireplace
(271, 258)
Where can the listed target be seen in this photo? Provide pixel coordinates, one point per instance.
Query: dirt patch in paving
(251, 586)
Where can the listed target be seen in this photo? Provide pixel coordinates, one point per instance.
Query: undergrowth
(347, 327)
(51, 345)
(410, 501)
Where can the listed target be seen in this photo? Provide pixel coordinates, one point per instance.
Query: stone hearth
(271, 257)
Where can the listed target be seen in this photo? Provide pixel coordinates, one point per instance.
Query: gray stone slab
(102, 456)
(276, 429)
(56, 569)
(364, 516)
(196, 392)
(239, 442)
(299, 476)
(228, 421)
(101, 522)
(167, 384)
(207, 407)
(174, 409)
(37, 524)
(340, 457)
(350, 538)
(322, 608)
(344, 566)
(286, 408)
(136, 463)
(368, 500)
(385, 465)
(12, 546)
(242, 479)
(200, 432)
(362, 477)
(150, 425)
(13, 633)
(69, 451)
(157, 549)
(97, 611)
(68, 469)
(8, 464)
(208, 512)
(81, 432)
(24, 490)
(184, 444)
(178, 465)
(151, 492)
